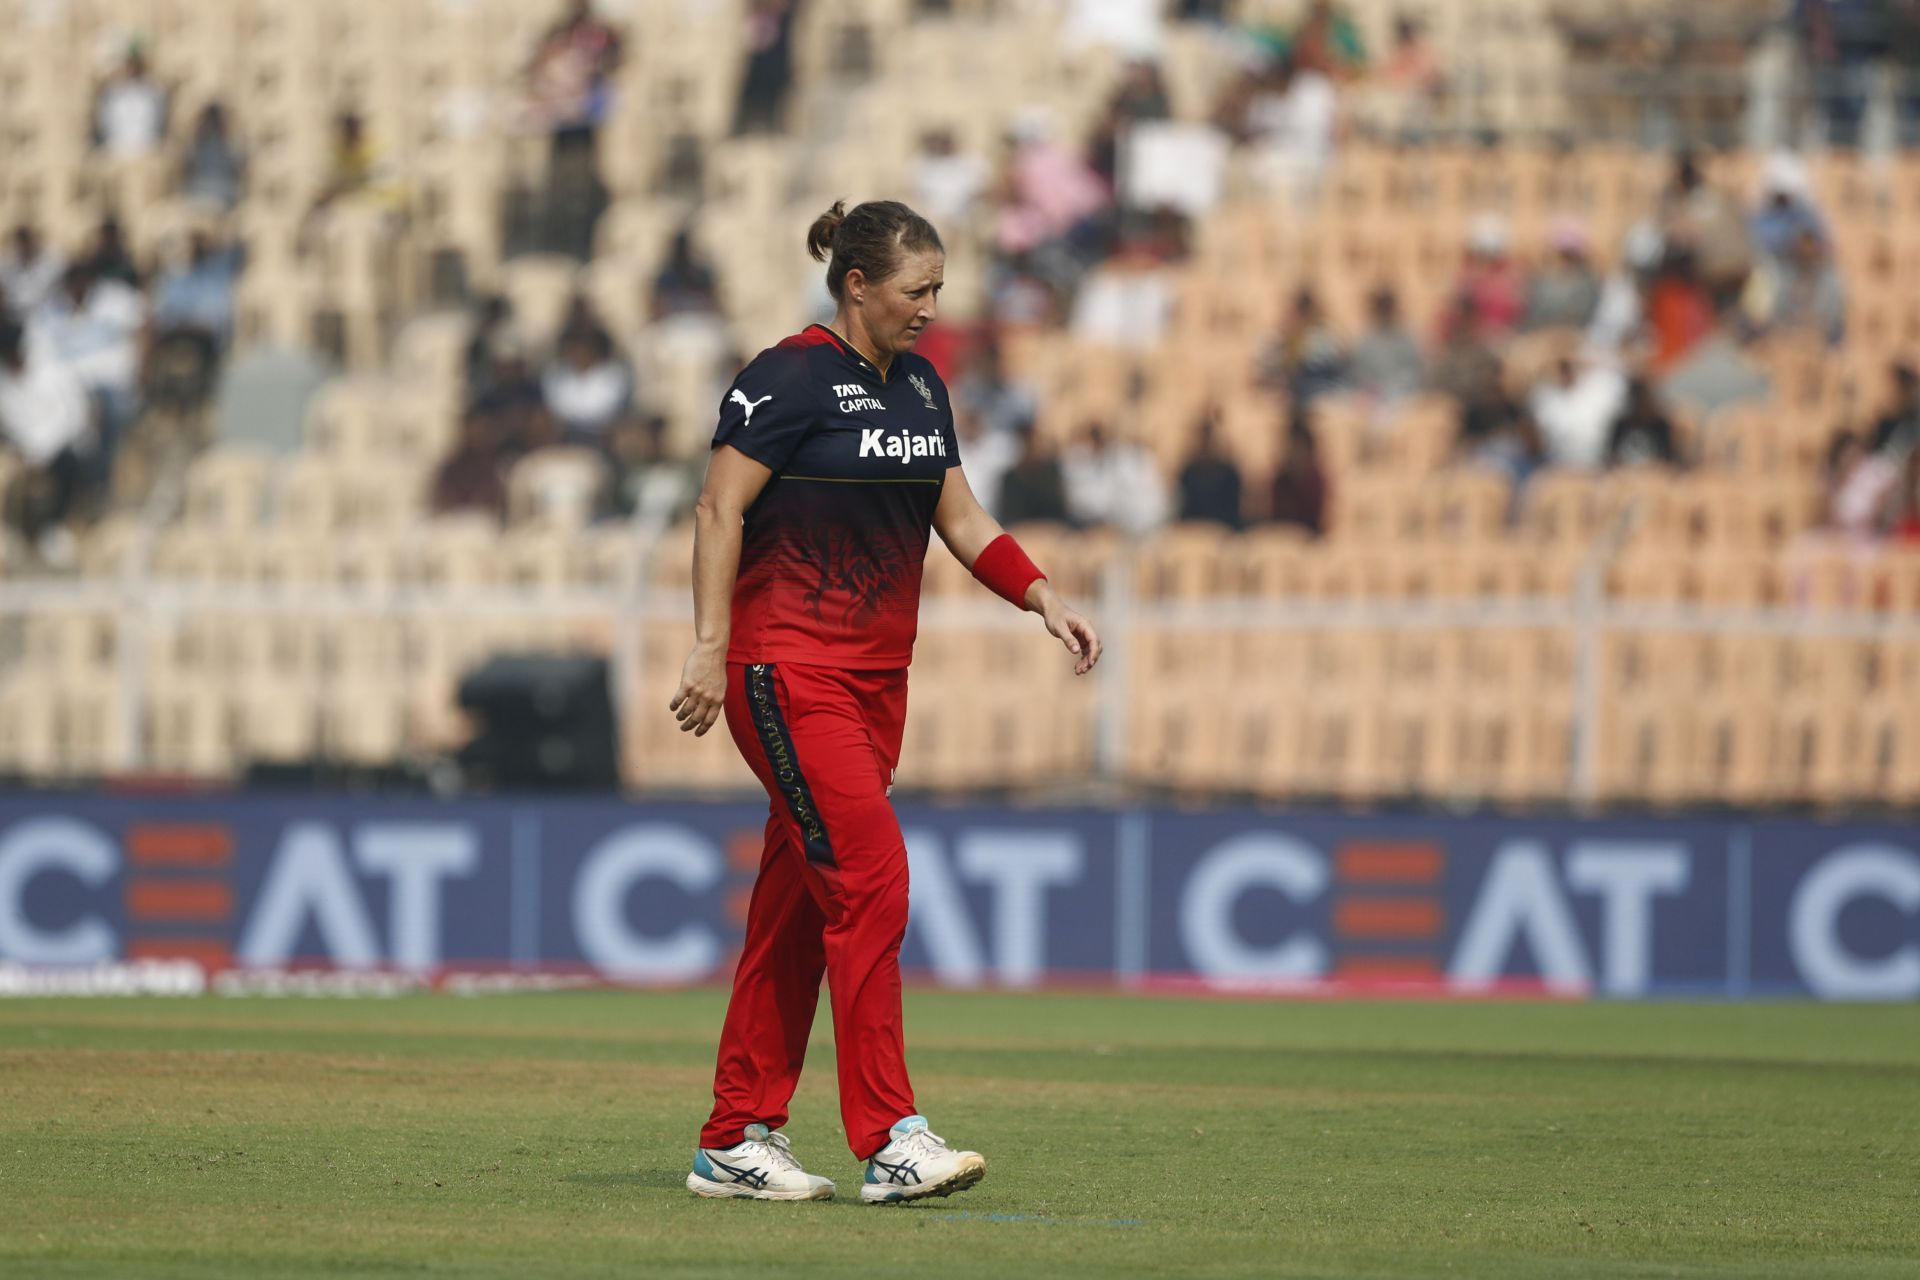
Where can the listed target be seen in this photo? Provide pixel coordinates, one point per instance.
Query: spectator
(355, 166)
(1897, 432)
(473, 477)
(111, 258)
(1680, 312)
(513, 398)
(1130, 28)
(1622, 305)
(1327, 42)
(1210, 484)
(568, 76)
(1716, 374)
(1466, 367)
(492, 318)
(45, 419)
(214, 168)
(684, 284)
(1566, 293)
(1113, 483)
(1288, 118)
(193, 317)
(987, 454)
(1386, 362)
(196, 295)
(1411, 83)
(29, 272)
(1861, 485)
(1785, 207)
(95, 328)
(1491, 278)
(769, 73)
(1142, 95)
(1704, 221)
(1052, 203)
(947, 182)
(1021, 299)
(587, 387)
(987, 396)
(650, 485)
(1127, 302)
(130, 110)
(1641, 433)
(1305, 359)
(1034, 488)
(1500, 434)
(1802, 292)
(1574, 408)
(569, 81)
(1299, 493)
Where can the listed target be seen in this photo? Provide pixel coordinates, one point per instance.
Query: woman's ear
(853, 287)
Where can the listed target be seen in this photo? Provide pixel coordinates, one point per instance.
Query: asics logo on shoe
(754, 1177)
(906, 1173)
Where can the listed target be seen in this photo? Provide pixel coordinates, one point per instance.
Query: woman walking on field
(833, 461)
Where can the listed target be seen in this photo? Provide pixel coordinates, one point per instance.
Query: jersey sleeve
(769, 408)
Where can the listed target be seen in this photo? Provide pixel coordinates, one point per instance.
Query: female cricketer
(833, 458)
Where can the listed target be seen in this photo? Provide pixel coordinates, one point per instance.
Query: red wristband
(1005, 570)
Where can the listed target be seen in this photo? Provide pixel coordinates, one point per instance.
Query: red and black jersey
(831, 554)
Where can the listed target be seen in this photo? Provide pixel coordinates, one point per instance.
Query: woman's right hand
(703, 688)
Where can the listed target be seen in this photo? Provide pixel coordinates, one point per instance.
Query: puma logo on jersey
(876, 443)
(739, 397)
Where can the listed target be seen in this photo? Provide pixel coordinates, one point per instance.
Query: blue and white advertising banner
(619, 892)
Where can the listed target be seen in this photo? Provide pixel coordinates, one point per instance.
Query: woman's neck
(857, 337)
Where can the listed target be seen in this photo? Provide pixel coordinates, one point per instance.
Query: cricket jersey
(831, 552)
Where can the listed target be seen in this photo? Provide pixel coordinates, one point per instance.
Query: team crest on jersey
(926, 392)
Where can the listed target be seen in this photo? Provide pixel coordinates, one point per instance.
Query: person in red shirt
(833, 462)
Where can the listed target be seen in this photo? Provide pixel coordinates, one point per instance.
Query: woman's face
(898, 309)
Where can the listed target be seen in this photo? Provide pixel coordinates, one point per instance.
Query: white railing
(1587, 619)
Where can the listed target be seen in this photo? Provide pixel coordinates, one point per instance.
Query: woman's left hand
(1074, 631)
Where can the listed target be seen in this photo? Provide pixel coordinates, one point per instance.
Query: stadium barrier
(103, 680)
(1220, 902)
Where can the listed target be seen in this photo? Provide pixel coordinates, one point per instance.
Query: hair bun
(820, 235)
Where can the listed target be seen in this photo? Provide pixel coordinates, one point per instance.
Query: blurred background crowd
(1270, 301)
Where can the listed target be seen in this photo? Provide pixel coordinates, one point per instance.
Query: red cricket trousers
(831, 898)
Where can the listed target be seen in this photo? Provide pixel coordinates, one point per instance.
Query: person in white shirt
(46, 419)
(1574, 407)
(947, 181)
(130, 111)
(1126, 302)
(587, 388)
(95, 328)
(985, 457)
(29, 271)
(1113, 482)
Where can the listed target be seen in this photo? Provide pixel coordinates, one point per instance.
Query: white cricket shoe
(760, 1168)
(916, 1163)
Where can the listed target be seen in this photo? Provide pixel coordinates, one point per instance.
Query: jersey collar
(853, 353)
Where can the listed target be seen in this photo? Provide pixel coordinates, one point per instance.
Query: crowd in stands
(1560, 354)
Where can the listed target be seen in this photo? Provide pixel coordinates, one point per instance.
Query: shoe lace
(780, 1152)
(925, 1143)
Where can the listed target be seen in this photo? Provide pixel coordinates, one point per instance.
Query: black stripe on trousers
(785, 762)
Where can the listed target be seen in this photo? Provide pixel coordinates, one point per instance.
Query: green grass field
(548, 1136)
